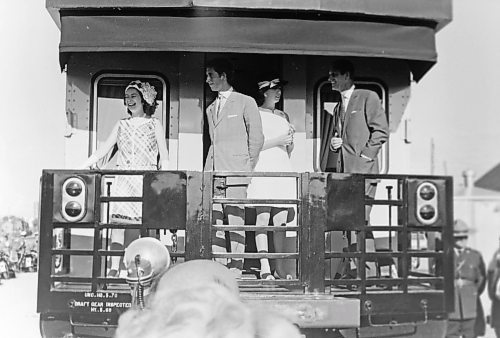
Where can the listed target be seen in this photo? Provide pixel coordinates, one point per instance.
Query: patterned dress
(137, 150)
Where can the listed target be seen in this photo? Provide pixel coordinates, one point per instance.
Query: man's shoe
(235, 263)
(113, 273)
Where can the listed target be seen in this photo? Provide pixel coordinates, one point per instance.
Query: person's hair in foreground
(205, 307)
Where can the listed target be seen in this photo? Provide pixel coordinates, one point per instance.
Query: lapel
(225, 109)
(348, 110)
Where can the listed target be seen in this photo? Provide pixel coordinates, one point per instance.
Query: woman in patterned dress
(140, 139)
(274, 157)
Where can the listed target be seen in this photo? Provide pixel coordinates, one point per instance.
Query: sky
(454, 105)
(32, 112)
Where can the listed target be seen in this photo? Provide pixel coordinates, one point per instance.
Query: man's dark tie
(340, 114)
(340, 118)
(342, 110)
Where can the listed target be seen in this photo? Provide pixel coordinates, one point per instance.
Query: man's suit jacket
(236, 135)
(470, 282)
(364, 131)
(493, 278)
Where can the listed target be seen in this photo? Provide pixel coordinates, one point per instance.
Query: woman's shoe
(277, 276)
(266, 276)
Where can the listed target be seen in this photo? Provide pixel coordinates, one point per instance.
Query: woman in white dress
(274, 157)
(140, 139)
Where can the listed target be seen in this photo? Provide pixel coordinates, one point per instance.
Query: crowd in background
(18, 246)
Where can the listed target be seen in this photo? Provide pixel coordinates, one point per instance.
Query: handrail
(120, 199)
(256, 255)
(375, 254)
(251, 227)
(75, 252)
(249, 201)
(257, 174)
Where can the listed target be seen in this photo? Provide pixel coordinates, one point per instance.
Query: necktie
(218, 105)
(343, 108)
(340, 115)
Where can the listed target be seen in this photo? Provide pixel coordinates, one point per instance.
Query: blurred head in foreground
(200, 299)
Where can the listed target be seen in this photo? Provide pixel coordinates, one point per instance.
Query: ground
(18, 306)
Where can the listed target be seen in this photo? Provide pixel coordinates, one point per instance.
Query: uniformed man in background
(470, 281)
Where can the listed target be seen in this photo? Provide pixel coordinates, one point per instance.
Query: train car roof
(395, 29)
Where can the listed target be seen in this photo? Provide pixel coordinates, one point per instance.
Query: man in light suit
(236, 133)
(360, 130)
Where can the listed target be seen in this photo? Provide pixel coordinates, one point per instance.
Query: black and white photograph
(250, 168)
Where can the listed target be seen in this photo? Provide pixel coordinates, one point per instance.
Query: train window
(108, 106)
(326, 101)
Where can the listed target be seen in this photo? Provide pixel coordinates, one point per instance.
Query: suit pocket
(242, 161)
(362, 165)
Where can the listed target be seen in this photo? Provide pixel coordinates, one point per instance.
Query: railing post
(199, 206)
(46, 233)
(97, 243)
(312, 239)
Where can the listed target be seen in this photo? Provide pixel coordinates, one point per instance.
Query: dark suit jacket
(470, 282)
(364, 131)
(236, 135)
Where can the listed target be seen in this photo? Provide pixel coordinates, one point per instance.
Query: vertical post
(447, 240)
(96, 259)
(389, 197)
(312, 231)
(45, 240)
(403, 241)
(108, 194)
(198, 243)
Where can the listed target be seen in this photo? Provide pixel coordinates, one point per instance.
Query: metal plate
(310, 310)
(165, 199)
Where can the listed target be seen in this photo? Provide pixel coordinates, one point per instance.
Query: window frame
(383, 155)
(94, 112)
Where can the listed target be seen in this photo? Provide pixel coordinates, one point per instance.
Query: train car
(106, 44)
